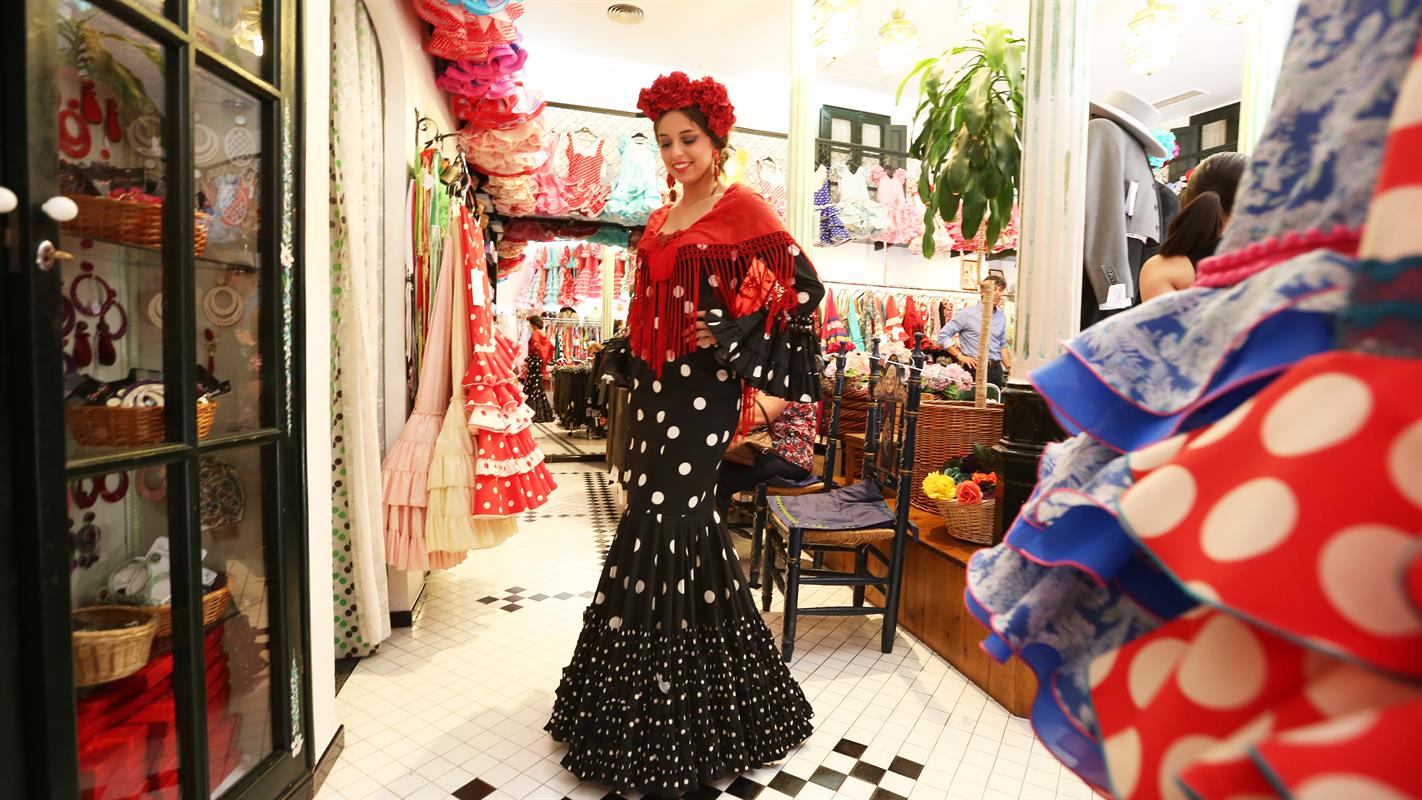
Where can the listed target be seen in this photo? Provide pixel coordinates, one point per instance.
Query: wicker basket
(119, 647)
(109, 426)
(214, 604)
(971, 523)
(949, 430)
(129, 222)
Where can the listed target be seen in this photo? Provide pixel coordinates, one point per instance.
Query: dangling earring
(671, 183)
(716, 164)
(83, 355)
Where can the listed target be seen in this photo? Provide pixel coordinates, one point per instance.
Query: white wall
(409, 85)
(316, 270)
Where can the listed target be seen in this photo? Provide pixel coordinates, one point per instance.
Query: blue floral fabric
(1317, 161)
(832, 230)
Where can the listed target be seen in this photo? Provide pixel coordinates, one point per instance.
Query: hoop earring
(223, 316)
(84, 497)
(146, 489)
(117, 492)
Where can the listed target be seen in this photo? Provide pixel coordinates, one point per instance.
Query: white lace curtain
(357, 113)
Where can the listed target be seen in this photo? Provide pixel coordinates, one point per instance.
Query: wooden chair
(888, 463)
(765, 490)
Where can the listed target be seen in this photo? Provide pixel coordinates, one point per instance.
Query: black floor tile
(515, 589)
(704, 793)
(851, 749)
(787, 784)
(344, 668)
(512, 607)
(745, 788)
(865, 771)
(828, 778)
(906, 768)
(488, 600)
(474, 790)
(884, 794)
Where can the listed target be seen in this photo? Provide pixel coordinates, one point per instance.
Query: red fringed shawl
(749, 256)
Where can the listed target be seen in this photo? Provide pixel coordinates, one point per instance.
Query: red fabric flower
(676, 91)
(969, 493)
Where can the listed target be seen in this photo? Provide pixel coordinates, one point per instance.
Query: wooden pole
(984, 333)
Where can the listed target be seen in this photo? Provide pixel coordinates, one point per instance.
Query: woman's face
(687, 151)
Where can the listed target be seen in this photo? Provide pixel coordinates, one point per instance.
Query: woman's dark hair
(1207, 200)
(536, 322)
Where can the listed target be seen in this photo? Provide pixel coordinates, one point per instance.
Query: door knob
(8, 201)
(46, 255)
(60, 208)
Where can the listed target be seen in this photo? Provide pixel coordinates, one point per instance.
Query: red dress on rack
(510, 476)
(585, 193)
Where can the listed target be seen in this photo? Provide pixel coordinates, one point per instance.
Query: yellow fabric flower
(939, 486)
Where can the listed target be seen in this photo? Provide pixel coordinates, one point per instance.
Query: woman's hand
(704, 338)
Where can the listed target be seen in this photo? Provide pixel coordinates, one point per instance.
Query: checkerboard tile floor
(454, 707)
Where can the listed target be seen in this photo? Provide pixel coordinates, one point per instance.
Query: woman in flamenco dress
(676, 680)
(540, 355)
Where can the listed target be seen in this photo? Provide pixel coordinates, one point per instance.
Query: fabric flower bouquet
(964, 490)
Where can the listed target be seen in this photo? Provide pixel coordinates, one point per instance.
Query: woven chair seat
(850, 538)
(771, 490)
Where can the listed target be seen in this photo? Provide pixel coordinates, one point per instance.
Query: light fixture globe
(1235, 12)
(1152, 37)
(977, 13)
(899, 43)
(836, 27)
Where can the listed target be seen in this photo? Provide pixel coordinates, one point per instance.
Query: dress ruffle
(782, 363)
(698, 690)
(1185, 359)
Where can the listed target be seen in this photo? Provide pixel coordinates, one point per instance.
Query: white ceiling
(744, 39)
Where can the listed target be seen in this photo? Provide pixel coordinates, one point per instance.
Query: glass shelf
(201, 262)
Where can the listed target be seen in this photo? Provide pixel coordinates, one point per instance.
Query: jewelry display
(74, 138)
(85, 492)
(83, 355)
(155, 309)
(211, 349)
(84, 544)
(107, 353)
(91, 281)
(112, 130)
(204, 144)
(145, 135)
(149, 490)
(223, 305)
(116, 493)
(89, 103)
(142, 394)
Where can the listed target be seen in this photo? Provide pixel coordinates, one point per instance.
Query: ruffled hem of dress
(1096, 386)
(626, 732)
(783, 363)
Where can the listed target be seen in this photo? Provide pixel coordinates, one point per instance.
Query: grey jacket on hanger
(1115, 162)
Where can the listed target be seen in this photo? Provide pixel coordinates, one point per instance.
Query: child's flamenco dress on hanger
(676, 681)
(1218, 579)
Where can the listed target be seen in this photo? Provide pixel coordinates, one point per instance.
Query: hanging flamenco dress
(862, 216)
(904, 224)
(540, 354)
(510, 474)
(1216, 580)
(832, 230)
(549, 190)
(586, 193)
(675, 680)
(405, 472)
(450, 525)
(636, 194)
(771, 182)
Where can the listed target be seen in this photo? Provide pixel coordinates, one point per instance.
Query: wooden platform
(931, 608)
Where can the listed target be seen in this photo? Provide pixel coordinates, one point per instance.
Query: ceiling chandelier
(899, 42)
(836, 27)
(1235, 12)
(1152, 37)
(977, 13)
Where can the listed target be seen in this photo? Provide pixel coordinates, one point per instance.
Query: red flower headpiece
(676, 91)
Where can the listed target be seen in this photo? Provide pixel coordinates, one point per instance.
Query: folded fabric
(854, 507)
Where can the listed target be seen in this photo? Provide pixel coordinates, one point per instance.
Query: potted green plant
(970, 138)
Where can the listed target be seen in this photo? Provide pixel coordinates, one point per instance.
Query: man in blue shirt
(966, 324)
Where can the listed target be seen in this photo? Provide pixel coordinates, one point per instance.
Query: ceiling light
(1235, 12)
(1152, 37)
(977, 13)
(625, 13)
(836, 27)
(899, 42)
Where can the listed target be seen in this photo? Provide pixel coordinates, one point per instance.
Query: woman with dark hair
(676, 680)
(1205, 206)
(540, 355)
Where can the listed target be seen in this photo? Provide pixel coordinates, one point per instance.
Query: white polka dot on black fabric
(711, 440)
(722, 375)
(709, 596)
(699, 404)
(685, 468)
(686, 370)
(673, 432)
(662, 415)
(657, 498)
(691, 503)
(656, 387)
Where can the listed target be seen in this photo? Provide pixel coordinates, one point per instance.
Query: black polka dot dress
(676, 680)
(533, 391)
